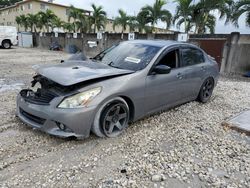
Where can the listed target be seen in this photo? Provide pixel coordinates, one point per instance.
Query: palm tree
(75, 14)
(56, 23)
(32, 21)
(183, 12)
(98, 17)
(241, 7)
(45, 19)
(132, 23)
(143, 19)
(167, 18)
(121, 20)
(203, 27)
(23, 21)
(19, 22)
(204, 7)
(82, 24)
(69, 27)
(156, 12)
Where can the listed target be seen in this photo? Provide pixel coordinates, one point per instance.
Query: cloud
(132, 7)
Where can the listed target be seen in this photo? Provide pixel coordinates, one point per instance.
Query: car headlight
(81, 99)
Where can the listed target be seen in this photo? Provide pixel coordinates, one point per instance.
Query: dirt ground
(182, 147)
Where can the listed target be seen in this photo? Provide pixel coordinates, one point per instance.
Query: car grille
(41, 97)
(31, 117)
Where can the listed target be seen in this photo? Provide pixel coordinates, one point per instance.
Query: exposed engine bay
(44, 93)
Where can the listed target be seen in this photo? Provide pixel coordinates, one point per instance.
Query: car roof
(159, 43)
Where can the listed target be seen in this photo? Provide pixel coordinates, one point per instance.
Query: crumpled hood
(73, 72)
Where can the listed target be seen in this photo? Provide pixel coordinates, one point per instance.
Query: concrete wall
(81, 42)
(236, 54)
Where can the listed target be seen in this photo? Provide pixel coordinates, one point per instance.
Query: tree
(32, 21)
(82, 24)
(200, 15)
(56, 23)
(69, 27)
(183, 12)
(5, 3)
(45, 19)
(202, 26)
(132, 23)
(98, 17)
(121, 20)
(22, 20)
(241, 7)
(167, 18)
(156, 12)
(203, 11)
(19, 22)
(143, 19)
(75, 14)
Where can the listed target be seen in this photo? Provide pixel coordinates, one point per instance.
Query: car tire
(6, 44)
(107, 117)
(206, 90)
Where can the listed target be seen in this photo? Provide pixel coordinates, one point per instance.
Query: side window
(171, 59)
(192, 56)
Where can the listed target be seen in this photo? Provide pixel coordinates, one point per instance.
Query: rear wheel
(111, 119)
(206, 90)
(6, 44)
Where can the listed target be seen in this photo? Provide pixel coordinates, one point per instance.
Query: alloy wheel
(207, 89)
(115, 119)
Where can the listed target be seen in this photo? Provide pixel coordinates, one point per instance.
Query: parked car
(55, 46)
(8, 36)
(118, 86)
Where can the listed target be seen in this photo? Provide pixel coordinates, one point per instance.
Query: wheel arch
(210, 76)
(5, 40)
(131, 107)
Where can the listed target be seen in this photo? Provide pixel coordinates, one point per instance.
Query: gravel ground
(183, 147)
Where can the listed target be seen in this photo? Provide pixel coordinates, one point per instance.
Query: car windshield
(130, 56)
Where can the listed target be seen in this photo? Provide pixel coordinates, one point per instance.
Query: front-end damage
(37, 107)
(44, 94)
(41, 107)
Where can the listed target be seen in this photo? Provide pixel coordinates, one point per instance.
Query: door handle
(179, 75)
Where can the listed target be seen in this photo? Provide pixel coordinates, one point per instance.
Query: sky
(132, 7)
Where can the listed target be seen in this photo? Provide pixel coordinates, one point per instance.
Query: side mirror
(162, 69)
(62, 61)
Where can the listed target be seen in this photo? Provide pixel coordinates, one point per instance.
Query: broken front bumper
(49, 118)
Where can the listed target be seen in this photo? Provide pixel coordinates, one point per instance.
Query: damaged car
(120, 85)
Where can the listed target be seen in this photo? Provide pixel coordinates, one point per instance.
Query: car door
(194, 69)
(164, 90)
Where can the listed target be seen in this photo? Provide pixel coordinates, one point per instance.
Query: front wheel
(206, 90)
(6, 44)
(111, 119)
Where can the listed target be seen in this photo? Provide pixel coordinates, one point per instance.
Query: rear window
(192, 56)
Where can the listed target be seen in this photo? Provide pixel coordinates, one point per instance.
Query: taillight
(16, 37)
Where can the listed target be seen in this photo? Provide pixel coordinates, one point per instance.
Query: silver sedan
(122, 84)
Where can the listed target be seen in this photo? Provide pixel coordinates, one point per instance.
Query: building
(8, 14)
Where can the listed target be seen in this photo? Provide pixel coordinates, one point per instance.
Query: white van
(8, 36)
